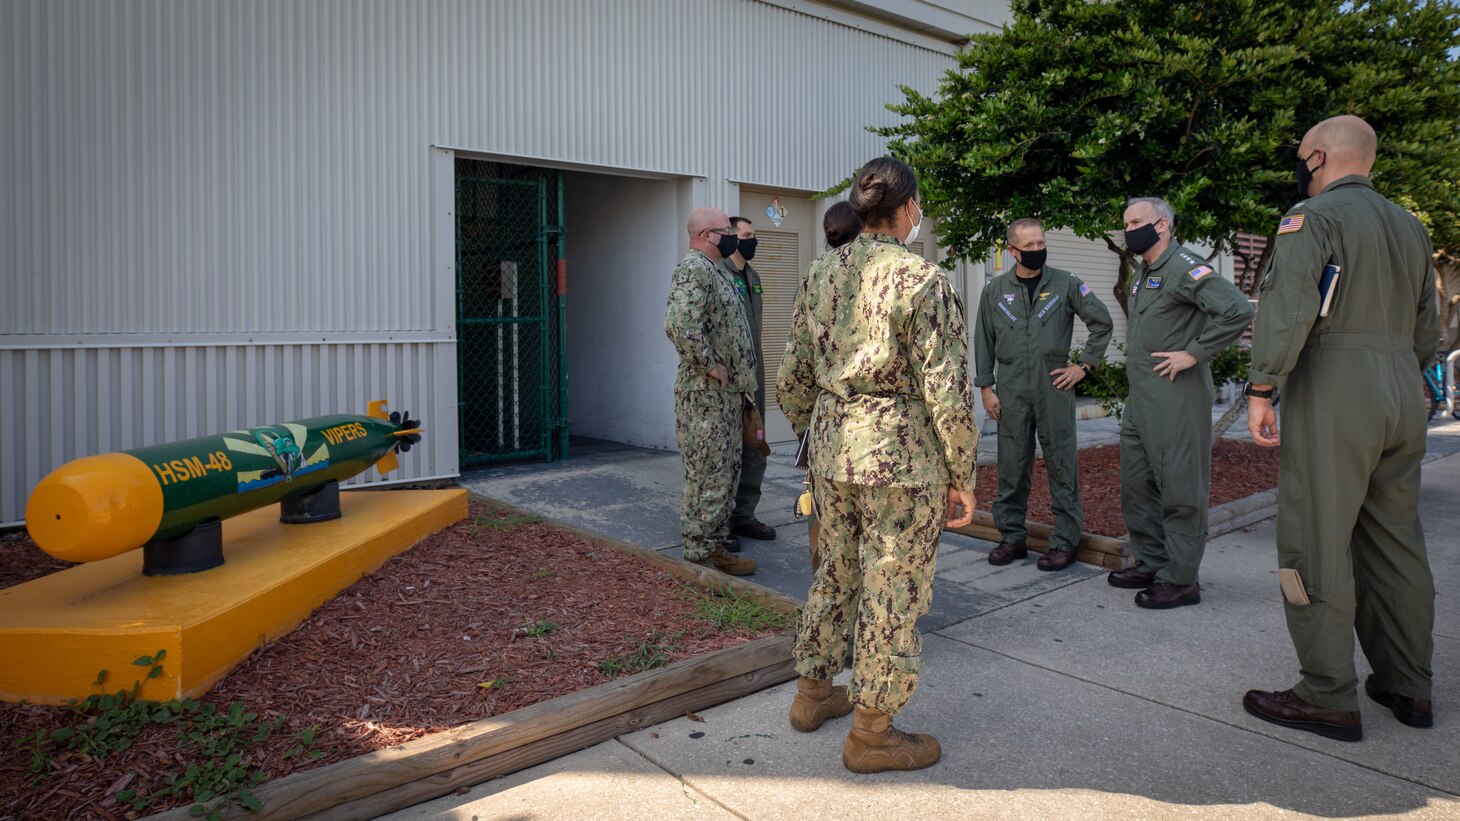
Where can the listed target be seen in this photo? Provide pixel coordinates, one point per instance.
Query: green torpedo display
(99, 506)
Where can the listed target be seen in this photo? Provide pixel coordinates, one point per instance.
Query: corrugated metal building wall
(237, 213)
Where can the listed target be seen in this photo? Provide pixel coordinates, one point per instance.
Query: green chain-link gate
(512, 367)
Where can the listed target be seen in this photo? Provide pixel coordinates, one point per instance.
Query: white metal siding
(64, 403)
(241, 179)
(1098, 266)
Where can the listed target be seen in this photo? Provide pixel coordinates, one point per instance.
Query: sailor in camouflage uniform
(716, 369)
(877, 367)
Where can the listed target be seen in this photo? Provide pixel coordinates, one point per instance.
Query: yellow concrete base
(58, 631)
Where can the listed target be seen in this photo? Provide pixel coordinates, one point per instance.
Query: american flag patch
(1084, 289)
(1200, 271)
(1291, 224)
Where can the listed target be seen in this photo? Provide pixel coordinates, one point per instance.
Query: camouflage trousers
(707, 426)
(879, 547)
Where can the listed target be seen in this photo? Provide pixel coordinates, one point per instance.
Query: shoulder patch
(1199, 271)
(1084, 289)
(1292, 223)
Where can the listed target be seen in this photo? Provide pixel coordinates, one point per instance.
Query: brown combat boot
(817, 701)
(727, 562)
(874, 745)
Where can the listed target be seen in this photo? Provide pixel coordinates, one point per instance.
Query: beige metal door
(782, 256)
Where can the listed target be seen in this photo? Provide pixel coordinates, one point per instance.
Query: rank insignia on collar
(1154, 282)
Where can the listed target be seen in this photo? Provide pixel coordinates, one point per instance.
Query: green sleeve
(1427, 320)
(939, 357)
(983, 339)
(1289, 302)
(685, 323)
(1097, 320)
(796, 387)
(1227, 309)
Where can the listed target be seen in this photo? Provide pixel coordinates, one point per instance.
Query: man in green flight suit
(1346, 349)
(716, 368)
(752, 463)
(1181, 314)
(1025, 322)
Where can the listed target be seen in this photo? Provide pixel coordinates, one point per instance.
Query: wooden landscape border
(397, 777)
(1112, 552)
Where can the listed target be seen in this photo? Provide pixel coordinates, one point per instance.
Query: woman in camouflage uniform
(877, 367)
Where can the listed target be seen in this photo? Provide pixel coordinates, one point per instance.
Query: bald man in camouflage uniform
(716, 369)
(877, 367)
(1349, 539)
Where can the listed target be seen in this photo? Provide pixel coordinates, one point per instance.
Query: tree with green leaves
(1079, 104)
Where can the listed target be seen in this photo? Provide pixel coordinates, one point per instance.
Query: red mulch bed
(1239, 469)
(400, 654)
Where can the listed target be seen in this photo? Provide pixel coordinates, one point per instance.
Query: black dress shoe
(1286, 709)
(731, 544)
(1056, 560)
(1164, 596)
(754, 529)
(1005, 553)
(1416, 712)
(1136, 577)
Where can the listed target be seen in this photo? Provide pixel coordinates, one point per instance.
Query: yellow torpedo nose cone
(95, 508)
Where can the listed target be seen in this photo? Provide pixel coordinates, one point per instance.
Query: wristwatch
(1264, 394)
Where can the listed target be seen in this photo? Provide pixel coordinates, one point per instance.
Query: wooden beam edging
(1240, 513)
(1109, 551)
(712, 580)
(547, 749)
(1101, 551)
(690, 684)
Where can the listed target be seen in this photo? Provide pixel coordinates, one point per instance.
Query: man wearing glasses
(716, 368)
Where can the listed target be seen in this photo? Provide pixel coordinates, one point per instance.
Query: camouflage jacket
(877, 365)
(707, 326)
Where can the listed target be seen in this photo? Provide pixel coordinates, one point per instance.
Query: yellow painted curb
(58, 631)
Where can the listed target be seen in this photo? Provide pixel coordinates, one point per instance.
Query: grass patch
(499, 522)
(651, 653)
(539, 630)
(728, 610)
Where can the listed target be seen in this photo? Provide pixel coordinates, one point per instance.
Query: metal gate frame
(524, 353)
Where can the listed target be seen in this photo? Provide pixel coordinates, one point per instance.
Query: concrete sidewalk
(1052, 694)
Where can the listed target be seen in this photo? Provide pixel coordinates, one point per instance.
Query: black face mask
(1143, 239)
(747, 248)
(727, 243)
(1305, 174)
(1033, 260)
